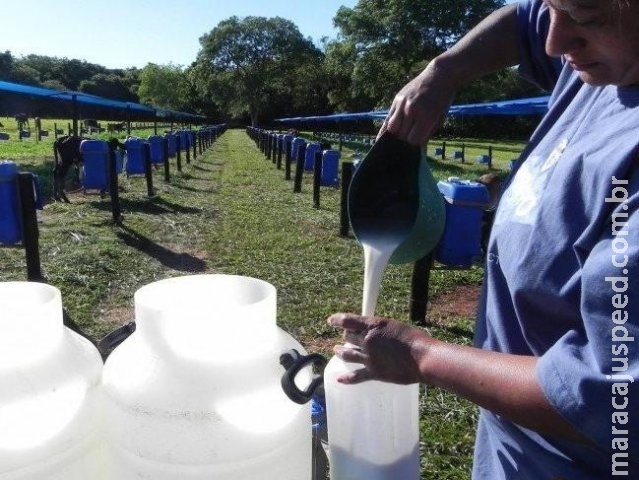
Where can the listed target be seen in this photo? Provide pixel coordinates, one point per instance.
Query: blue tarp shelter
(93, 100)
(522, 106)
(80, 97)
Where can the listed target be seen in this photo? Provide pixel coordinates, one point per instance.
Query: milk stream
(372, 427)
(377, 251)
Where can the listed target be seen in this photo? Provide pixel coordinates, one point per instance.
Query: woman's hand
(420, 106)
(389, 350)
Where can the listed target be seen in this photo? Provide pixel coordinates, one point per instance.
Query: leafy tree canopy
(254, 63)
(392, 40)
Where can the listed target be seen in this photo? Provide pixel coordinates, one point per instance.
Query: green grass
(232, 211)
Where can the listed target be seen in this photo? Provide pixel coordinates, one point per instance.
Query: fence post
(147, 169)
(347, 175)
(277, 158)
(419, 289)
(178, 155)
(299, 168)
(30, 234)
(165, 154)
(317, 177)
(116, 211)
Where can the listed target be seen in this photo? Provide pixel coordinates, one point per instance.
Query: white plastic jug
(49, 379)
(195, 392)
(373, 427)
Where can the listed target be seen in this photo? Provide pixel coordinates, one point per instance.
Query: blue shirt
(562, 276)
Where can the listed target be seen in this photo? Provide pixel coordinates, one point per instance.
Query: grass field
(231, 211)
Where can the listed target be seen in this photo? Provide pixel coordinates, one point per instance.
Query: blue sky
(125, 33)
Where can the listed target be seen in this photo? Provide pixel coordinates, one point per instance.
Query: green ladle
(393, 190)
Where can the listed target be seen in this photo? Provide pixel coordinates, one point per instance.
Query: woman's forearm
(490, 46)
(503, 383)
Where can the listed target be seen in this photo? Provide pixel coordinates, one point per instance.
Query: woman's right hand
(420, 106)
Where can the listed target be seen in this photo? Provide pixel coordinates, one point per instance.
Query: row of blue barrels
(271, 141)
(96, 156)
(95, 153)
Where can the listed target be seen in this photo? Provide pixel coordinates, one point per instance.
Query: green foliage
(395, 39)
(108, 86)
(162, 86)
(252, 65)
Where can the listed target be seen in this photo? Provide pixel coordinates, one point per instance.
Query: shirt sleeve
(591, 375)
(535, 65)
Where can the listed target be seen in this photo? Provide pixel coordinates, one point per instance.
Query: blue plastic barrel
(156, 149)
(10, 228)
(439, 151)
(287, 139)
(184, 140)
(295, 146)
(330, 168)
(466, 201)
(309, 157)
(134, 156)
(172, 144)
(95, 158)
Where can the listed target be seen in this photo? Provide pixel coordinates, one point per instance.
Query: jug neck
(218, 318)
(31, 323)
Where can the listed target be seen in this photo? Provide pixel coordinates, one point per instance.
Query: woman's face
(597, 38)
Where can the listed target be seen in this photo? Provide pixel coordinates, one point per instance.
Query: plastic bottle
(195, 392)
(49, 398)
(373, 427)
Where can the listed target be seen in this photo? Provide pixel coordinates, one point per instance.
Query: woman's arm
(503, 383)
(419, 106)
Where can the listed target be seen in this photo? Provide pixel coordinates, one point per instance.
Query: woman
(555, 354)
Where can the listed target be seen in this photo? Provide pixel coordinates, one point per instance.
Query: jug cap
(393, 190)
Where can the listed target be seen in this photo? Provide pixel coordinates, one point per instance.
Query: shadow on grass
(210, 189)
(182, 262)
(201, 168)
(151, 206)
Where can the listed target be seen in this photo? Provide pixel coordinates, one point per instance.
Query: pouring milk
(373, 427)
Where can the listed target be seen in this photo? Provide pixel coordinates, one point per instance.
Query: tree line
(252, 70)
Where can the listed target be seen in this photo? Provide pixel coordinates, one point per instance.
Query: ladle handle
(293, 362)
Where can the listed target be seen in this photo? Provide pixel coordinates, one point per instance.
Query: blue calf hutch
(465, 202)
(330, 168)
(10, 228)
(11, 214)
(156, 149)
(134, 156)
(171, 144)
(95, 164)
(296, 143)
(309, 156)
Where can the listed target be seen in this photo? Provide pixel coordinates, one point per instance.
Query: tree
(6, 64)
(341, 57)
(394, 39)
(161, 85)
(108, 86)
(254, 66)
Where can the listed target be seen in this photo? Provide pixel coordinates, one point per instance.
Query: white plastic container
(195, 392)
(373, 427)
(49, 379)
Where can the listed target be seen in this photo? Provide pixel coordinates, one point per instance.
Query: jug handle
(115, 338)
(293, 362)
